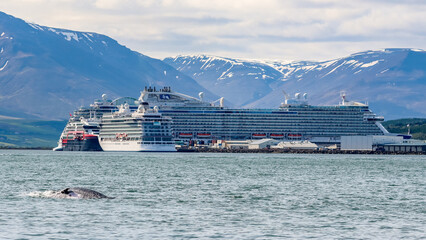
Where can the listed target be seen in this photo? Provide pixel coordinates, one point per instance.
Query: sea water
(212, 195)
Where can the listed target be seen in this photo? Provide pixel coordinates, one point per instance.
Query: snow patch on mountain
(366, 65)
(70, 35)
(87, 37)
(36, 26)
(1, 69)
(334, 69)
(53, 30)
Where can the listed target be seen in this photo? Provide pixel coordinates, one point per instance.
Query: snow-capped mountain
(392, 81)
(240, 82)
(47, 72)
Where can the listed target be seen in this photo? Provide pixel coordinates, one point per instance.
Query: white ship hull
(134, 146)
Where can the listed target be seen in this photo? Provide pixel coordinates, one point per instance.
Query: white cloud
(294, 29)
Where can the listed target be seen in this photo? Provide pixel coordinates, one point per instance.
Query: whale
(84, 193)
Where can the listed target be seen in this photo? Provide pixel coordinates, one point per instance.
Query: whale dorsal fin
(65, 191)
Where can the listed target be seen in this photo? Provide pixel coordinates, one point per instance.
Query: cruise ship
(82, 130)
(194, 119)
(140, 131)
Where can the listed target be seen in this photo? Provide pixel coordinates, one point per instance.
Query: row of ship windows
(336, 116)
(292, 117)
(138, 124)
(337, 109)
(194, 117)
(132, 135)
(147, 123)
(249, 136)
(165, 143)
(181, 124)
(267, 121)
(129, 130)
(248, 132)
(311, 132)
(150, 139)
(244, 128)
(275, 113)
(138, 128)
(263, 112)
(257, 129)
(236, 125)
(278, 126)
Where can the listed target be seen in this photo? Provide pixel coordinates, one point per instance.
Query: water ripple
(225, 196)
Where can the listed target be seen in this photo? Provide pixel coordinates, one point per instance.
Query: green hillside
(29, 133)
(417, 127)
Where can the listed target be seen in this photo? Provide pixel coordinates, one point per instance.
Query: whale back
(83, 193)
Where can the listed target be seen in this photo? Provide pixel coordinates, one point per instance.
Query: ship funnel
(305, 96)
(201, 95)
(221, 101)
(104, 97)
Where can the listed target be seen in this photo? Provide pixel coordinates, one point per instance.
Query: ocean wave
(48, 194)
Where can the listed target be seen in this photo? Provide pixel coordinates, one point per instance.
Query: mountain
(392, 81)
(46, 72)
(240, 82)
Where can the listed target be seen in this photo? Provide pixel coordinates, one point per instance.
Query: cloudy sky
(254, 29)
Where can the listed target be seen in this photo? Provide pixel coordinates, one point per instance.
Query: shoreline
(290, 151)
(26, 148)
(298, 151)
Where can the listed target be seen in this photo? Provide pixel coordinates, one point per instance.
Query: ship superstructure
(295, 119)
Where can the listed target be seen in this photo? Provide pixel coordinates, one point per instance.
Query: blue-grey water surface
(209, 195)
